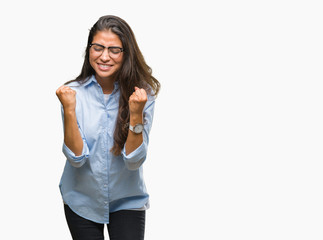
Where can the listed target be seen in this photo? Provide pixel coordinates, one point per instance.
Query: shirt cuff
(134, 159)
(76, 161)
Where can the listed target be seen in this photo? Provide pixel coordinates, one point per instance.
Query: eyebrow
(105, 46)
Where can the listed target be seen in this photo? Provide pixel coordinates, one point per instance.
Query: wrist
(69, 111)
(135, 119)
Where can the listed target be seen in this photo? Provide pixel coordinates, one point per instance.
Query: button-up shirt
(97, 182)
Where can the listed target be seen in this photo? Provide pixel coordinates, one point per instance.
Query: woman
(107, 114)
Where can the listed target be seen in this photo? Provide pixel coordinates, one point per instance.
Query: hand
(137, 101)
(66, 96)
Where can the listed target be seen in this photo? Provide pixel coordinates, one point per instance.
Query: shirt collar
(92, 79)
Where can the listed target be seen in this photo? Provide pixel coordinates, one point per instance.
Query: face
(105, 64)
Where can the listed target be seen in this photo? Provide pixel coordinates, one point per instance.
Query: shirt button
(104, 185)
(105, 202)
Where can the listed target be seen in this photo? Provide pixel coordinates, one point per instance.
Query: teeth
(104, 66)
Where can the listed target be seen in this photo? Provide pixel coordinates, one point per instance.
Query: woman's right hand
(67, 97)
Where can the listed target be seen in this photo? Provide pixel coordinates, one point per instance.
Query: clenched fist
(66, 96)
(137, 101)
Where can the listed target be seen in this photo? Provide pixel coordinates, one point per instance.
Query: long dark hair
(133, 72)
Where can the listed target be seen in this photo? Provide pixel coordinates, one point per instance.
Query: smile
(104, 67)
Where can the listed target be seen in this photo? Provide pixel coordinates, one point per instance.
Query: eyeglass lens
(113, 52)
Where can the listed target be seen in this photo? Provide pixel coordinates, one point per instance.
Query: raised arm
(137, 103)
(72, 136)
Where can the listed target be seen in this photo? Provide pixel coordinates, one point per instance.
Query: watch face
(138, 128)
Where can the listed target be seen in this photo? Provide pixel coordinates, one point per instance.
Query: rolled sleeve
(76, 161)
(137, 157)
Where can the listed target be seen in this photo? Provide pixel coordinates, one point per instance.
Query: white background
(236, 146)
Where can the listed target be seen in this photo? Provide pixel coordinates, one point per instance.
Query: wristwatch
(137, 128)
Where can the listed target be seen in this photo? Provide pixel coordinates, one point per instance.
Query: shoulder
(151, 95)
(80, 86)
(81, 82)
(73, 84)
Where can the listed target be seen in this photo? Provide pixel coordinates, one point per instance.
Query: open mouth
(104, 67)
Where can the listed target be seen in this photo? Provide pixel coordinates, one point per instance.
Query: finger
(135, 93)
(60, 89)
(142, 95)
(133, 98)
(143, 92)
(60, 92)
(66, 92)
(67, 88)
(137, 90)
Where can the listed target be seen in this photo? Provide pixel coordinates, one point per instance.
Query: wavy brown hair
(133, 72)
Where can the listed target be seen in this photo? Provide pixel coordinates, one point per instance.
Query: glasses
(98, 49)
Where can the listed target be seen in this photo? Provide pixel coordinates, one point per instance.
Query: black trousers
(124, 225)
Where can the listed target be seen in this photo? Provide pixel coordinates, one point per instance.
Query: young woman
(107, 114)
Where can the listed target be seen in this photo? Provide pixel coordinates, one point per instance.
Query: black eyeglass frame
(104, 47)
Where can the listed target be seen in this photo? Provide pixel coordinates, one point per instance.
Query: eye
(97, 48)
(115, 50)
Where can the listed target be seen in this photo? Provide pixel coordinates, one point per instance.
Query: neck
(107, 85)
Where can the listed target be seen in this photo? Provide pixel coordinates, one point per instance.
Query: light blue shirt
(97, 182)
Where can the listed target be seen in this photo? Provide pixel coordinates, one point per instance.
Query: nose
(105, 55)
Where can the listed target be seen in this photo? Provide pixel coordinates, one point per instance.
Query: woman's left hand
(137, 101)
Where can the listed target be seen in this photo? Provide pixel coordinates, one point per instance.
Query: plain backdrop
(236, 145)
